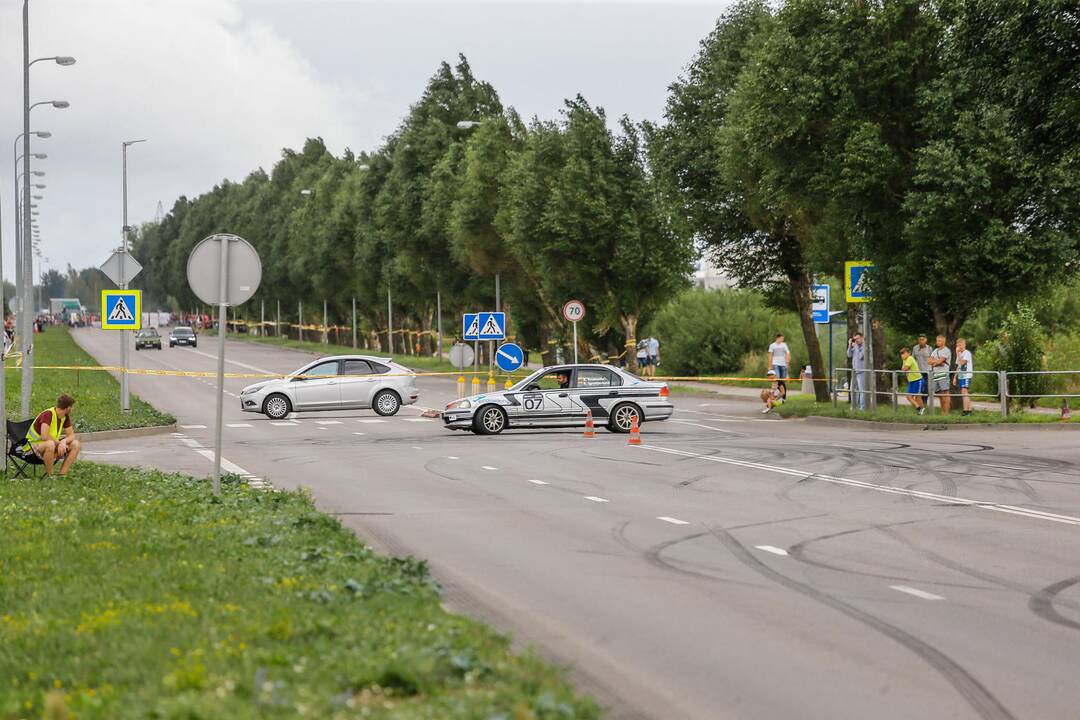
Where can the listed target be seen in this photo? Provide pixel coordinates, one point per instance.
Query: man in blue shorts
(915, 381)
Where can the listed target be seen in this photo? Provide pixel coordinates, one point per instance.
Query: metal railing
(858, 393)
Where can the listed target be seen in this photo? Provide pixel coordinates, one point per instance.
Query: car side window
(326, 369)
(551, 381)
(356, 367)
(596, 377)
(379, 369)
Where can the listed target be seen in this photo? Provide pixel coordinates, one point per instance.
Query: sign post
(223, 270)
(121, 268)
(574, 312)
(858, 289)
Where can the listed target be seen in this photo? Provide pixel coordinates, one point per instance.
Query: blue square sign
(121, 309)
(483, 326)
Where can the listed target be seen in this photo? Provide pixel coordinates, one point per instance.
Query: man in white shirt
(780, 361)
(965, 371)
(654, 355)
(940, 360)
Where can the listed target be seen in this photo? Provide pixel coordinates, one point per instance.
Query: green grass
(135, 594)
(804, 405)
(96, 392)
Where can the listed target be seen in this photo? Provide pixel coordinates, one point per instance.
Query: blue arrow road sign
(509, 357)
(483, 326)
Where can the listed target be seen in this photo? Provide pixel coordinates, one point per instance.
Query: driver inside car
(563, 379)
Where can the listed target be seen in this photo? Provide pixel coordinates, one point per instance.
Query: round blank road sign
(204, 270)
(574, 311)
(461, 356)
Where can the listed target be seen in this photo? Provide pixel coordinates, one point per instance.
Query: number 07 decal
(532, 402)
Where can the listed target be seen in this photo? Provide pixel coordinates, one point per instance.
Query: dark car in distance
(147, 338)
(183, 336)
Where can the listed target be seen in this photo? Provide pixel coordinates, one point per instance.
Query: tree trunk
(800, 289)
(629, 323)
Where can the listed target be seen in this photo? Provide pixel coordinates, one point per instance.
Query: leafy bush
(1019, 348)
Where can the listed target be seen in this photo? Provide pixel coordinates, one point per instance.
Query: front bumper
(458, 419)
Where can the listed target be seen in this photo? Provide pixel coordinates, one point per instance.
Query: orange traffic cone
(590, 431)
(635, 436)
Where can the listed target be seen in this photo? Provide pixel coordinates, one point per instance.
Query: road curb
(875, 425)
(127, 433)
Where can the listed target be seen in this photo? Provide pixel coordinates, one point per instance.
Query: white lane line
(417, 447)
(916, 592)
(417, 420)
(359, 433)
(108, 452)
(488, 467)
(539, 482)
(596, 499)
(191, 443)
(371, 421)
(673, 521)
(193, 427)
(287, 423)
(237, 425)
(451, 457)
(707, 427)
(888, 489)
(264, 371)
(772, 549)
(327, 422)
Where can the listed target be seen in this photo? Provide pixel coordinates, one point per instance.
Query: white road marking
(240, 364)
(237, 425)
(108, 452)
(193, 427)
(371, 421)
(417, 447)
(888, 489)
(233, 468)
(191, 443)
(451, 457)
(488, 467)
(916, 592)
(539, 482)
(359, 433)
(707, 427)
(596, 499)
(285, 424)
(673, 521)
(772, 549)
(327, 422)
(417, 420)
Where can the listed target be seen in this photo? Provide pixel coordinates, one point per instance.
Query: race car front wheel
(491, 420)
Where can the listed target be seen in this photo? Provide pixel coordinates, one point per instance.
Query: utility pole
(354, 322)
(125, 396)
(389, 321)
(438, 315)
(24, 301)
(300, 320)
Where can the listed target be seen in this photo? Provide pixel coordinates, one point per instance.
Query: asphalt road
(734, 566)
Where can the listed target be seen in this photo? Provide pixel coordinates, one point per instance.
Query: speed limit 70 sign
(574, 311)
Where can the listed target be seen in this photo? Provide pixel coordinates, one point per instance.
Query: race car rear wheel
(277, 406)
(490, 420)
(623, 416)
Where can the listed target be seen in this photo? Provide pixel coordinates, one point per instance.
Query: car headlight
(459, 405)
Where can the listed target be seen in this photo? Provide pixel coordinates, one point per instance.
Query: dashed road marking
(238, 425)
(417, 447)
(451, 457)
(488, 467)
(596, 499)
(673, 521)
(916, 592)
(193, 427)
(359, 433)
(772, 549)
(287, 423)
(417, 420)
(539, 482)
(327, 422)
(373, 420)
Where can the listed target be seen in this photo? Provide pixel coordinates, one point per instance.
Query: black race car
(147, 338)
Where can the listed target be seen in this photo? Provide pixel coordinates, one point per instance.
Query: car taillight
(664, 392)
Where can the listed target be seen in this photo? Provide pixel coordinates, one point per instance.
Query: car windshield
(183, 331)
(146, 333)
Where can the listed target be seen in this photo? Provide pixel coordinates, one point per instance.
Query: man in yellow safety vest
(52, 436)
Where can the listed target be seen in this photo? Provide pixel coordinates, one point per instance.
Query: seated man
(52, 436)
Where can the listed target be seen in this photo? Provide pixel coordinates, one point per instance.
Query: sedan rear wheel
(623, 417)
(386, 402)
(491, 420)
(277, 407)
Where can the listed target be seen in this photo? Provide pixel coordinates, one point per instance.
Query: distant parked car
(183, 336)
(344, 382)
(147, 338)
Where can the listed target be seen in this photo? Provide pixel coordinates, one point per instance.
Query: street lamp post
(125, 398)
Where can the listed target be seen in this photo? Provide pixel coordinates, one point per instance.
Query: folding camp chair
(17, 455)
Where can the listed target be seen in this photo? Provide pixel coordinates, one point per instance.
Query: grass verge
(133, 594)
(96, 392)
(805, 405)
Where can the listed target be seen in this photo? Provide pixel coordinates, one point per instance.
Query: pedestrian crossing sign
(858, 277)
(484, 326)
(121, 309)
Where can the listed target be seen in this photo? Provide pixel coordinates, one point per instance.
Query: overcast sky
(219, 87)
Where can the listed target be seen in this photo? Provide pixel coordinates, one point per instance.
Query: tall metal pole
(325, 331)
(262, 318)
(438, 314)
(125, 398)
(575, 342)
(498, 295)
(3, 345)
(300, 320)
(223, 299)
(868, 334)
(389, 321)
(277, 324)
(24, 301)
(354, 322)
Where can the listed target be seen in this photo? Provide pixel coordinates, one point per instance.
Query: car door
(357, 382)
(596, 389)
(317, 387)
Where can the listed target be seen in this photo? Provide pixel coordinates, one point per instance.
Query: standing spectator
(940, 360)
(965, 371)
(857, 354)
(914, 380)
(643, 357)
(780, 361)
(654, 355)
(921, 352)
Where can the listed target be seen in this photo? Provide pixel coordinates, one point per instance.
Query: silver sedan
(562, 396)
(344, 382)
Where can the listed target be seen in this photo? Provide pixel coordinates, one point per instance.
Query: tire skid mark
(1042, 603)
(975, 693)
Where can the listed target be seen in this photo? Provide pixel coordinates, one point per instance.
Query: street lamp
(125, 403)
